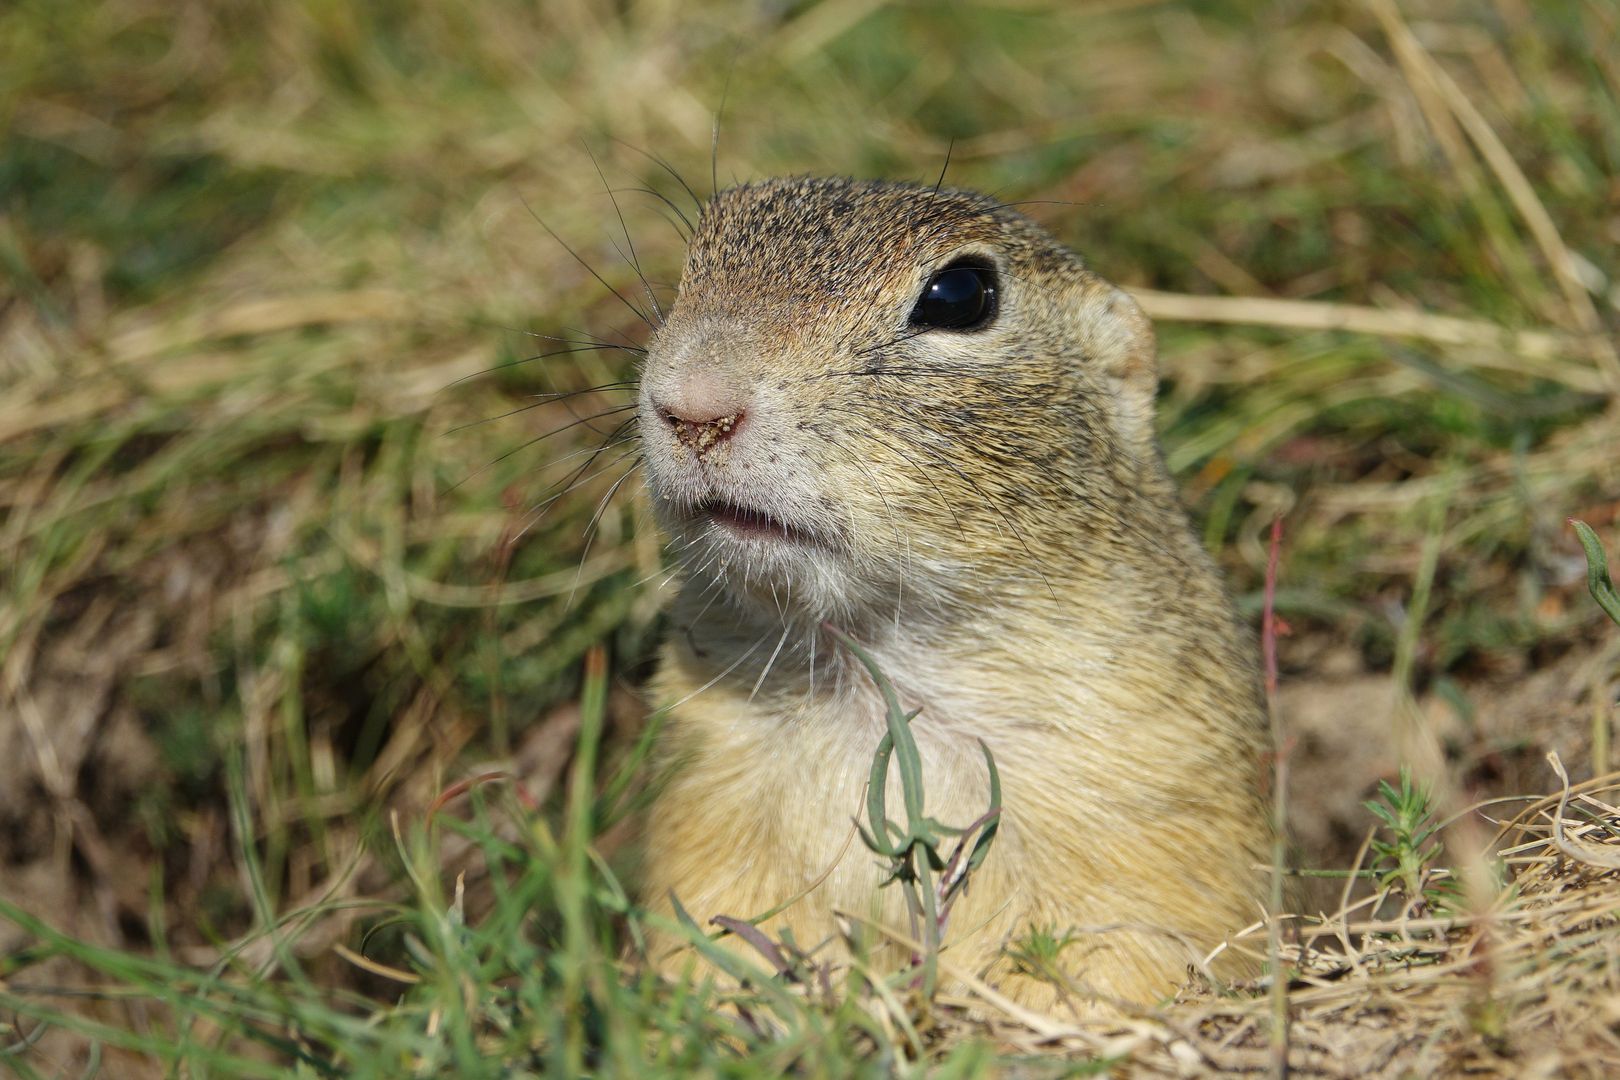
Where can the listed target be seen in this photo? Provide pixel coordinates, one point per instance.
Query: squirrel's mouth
(749, 523)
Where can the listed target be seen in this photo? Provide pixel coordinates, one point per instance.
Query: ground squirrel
(911, 414)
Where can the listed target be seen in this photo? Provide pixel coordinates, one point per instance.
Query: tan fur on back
(988, 513)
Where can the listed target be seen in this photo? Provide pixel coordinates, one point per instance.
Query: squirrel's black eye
(960, 297)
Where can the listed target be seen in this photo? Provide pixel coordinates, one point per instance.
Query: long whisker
(995, 506)
(579, 479)
(733, 666)
(628, 346)
(715, 588)
(592, 450)
(714, 141)
(539, 438)
(907, 372)
(642, 315)
(601, 506)
(926, 475)
(583, 339)
(592, 346)
(591, 531)
(667, 167)
(544, 399)
(950, 146)
(877, 488)
(770, 663)
(635, 263)
(903, 538)
(686, 233)
(559, 430)
(614, 438)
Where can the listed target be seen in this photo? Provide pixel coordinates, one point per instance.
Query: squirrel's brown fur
(988, 512)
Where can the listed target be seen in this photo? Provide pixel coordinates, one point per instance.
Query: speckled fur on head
(989, 512)
(933, 462)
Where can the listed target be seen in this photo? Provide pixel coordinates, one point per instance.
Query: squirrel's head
(874, 396)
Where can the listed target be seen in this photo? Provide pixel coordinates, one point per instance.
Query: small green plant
(1038, 953)
(1602, 588)
(915, 851)
(1597, 572)
(1404, 857)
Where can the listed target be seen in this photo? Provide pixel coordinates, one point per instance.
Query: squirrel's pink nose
(701, 410)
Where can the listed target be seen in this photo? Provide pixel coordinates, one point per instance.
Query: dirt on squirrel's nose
(701, 435)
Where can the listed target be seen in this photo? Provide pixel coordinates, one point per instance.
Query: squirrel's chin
(758, 566)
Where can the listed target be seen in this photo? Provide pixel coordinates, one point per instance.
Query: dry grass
(1523, 982)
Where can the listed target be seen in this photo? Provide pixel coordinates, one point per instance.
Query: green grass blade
(877, 811)
(906, 754)
(1597, 572)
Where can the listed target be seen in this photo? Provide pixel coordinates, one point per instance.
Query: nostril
(702, 435)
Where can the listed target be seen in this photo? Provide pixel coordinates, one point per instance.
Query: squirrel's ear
(1120, 348)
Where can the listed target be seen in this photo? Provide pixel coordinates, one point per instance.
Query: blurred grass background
(269, 268)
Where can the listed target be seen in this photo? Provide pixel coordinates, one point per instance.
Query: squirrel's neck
(1099, 610)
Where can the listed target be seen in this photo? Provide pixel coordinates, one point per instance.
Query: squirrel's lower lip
(748, 522)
